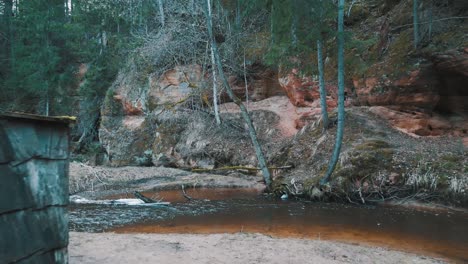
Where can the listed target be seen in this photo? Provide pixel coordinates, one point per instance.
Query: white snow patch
(128, 201)
(76, 199)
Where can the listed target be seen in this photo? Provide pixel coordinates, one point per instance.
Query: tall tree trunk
(192, 5)
(246, 84)
(47, 44)
(140, 15)
(215, 81)
(244, 113)
(47, 103)
(350, 7)
(272, 25)
(238, 15)
(17, 6)
(323, 92)
(415, 23)
(215, 84)
(341, 110)
(431, 18)
(294, 23)
(8, 38)
(58, 10)
(161, 12)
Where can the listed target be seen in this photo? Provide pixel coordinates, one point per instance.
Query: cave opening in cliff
(453, 92)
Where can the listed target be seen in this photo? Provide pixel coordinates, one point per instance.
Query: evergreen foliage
(296, 25)
(44, 41)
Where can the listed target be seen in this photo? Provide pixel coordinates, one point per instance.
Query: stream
(438, 233)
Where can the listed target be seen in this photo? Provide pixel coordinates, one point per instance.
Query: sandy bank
(223, 248)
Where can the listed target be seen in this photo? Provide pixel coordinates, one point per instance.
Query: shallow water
(435, 233)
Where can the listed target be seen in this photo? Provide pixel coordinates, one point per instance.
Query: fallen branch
(144, 198)
(241, 168)
(188, 197)
(360, 195)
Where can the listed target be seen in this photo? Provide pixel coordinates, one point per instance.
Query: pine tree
(323, 92)
(415, 23)
(38, 53)
(6, 8)
(304, 38)
(296, 27)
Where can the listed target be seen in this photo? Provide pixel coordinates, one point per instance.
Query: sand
(224, 248)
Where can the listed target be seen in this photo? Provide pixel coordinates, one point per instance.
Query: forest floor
(224, 248)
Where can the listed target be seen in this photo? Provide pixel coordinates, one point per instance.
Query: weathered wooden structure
(34, 152)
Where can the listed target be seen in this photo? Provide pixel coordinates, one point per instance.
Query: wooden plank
(23, 140)
(27, 232)
(6, 152)
(33, 184)
(36, 140)
(53, 141)
(33, 189)
(54, 256)
(14, 193)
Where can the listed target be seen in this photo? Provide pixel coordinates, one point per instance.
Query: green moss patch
(365, 160)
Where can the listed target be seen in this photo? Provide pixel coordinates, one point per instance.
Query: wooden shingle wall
(33, 190)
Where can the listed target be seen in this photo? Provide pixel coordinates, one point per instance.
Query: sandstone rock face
(417, 89)
(123, 131)
(175, 85)
(127, 139)
(421, 123)
(303, 93)
(141, 124)
(429, 101)
(452, 69)
(128, 128)
(193, 140)
(289, 116)
(267, 81)
(301, 90)
(262, 83)
(455, 61)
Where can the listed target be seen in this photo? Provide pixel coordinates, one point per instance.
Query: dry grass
(422, 177)
(85, 177)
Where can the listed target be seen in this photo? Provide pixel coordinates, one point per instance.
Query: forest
(65, 58)
(186, 103)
